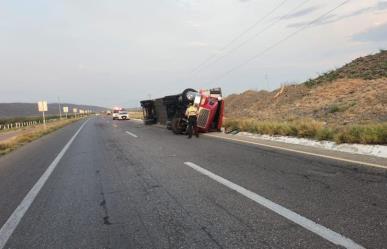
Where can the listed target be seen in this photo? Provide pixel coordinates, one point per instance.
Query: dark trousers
(192, 125)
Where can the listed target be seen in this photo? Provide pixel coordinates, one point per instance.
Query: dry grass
(309, 128)
(136, 115)
(346, 101)
(31, 134)
(363, 134)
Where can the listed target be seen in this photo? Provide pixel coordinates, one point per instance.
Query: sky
(118, 52)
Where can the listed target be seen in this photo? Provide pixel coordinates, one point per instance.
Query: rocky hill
(10, 110)
(354, 93)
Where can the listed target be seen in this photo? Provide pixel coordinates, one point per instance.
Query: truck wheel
(175, 125)
(148, 122)
(184, 94)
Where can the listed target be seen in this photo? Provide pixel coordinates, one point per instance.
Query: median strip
(310, 225)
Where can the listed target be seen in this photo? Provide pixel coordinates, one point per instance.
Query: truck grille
(204, 114)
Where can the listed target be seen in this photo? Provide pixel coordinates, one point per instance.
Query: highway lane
(125, 185)
(20, 170)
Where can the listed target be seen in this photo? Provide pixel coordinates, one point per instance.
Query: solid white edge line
(132, 134)
(302, 152)
(10, 225)
(310, 225)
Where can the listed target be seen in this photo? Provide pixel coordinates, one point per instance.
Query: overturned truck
(170, 110)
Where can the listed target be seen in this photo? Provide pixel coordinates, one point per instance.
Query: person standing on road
(192, 115)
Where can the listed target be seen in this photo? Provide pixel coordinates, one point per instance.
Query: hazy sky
(119, 52)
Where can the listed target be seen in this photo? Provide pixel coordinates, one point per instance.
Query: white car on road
(115, 114)
(122, 115)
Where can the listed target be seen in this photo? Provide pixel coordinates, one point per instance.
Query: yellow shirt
(191, 111)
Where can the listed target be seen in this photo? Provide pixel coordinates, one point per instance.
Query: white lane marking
(303, 152)
(310, 225)
(132, 134)
(10, 225)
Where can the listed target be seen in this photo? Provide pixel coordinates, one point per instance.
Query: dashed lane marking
(132, 134)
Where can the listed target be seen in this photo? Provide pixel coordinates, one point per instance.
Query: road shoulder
(356, 159)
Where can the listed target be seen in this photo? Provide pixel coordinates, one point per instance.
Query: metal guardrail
(17, 125)
(21, 124)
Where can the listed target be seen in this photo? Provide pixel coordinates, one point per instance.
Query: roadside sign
(65, 109)
(42, 106)
(75, 110)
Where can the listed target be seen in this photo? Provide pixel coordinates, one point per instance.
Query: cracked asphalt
(113, 190)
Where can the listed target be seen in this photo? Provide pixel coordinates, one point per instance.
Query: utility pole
(44, 120)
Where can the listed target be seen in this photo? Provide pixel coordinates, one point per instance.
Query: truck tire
(184, 94)
(175, 125)
(149, 121)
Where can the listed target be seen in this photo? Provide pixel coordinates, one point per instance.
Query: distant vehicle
(123, 115)
(116, 111)
(108, 113)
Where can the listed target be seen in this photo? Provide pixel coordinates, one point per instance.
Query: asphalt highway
(120, 184)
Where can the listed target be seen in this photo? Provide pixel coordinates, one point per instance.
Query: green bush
(325, 134)
(363, 134)
(333, 109)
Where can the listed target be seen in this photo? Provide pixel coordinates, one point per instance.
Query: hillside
(354, 93)
(9, 110)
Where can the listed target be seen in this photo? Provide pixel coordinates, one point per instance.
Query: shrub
(364, 134)
(333, 109)
(325, 134)
(309, 128)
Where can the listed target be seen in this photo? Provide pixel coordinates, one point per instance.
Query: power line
(240, 35)
(279, 42)
(258, 33)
